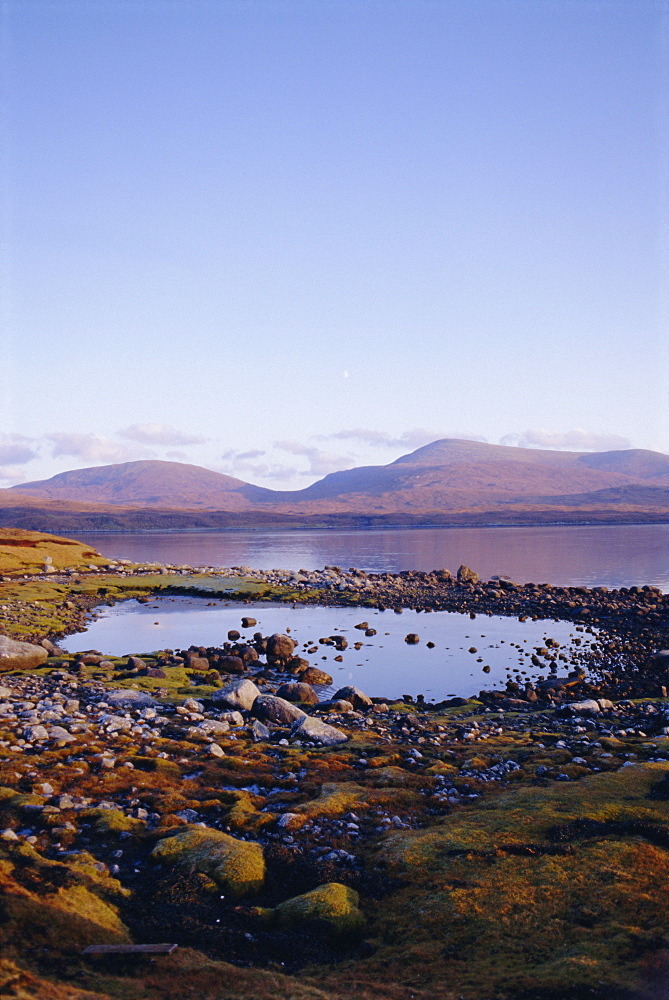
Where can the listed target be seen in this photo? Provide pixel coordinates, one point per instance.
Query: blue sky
(280, 237)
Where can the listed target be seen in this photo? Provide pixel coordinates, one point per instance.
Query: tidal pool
(385, 665)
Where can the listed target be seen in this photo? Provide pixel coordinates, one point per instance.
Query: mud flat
(510, 845)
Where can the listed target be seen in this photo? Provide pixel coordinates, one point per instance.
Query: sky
(278, 238)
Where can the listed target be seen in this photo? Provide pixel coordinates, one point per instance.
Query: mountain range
(447, 482)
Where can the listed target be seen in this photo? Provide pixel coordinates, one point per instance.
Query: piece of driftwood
(130, 949)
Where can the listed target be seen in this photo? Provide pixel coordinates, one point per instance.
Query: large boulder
(20, 655)
(237, 866)
(270, 708)
(280, 649)
(356, 697)
(318, 731)
(238, 694)
(333, 907)
(298, 691)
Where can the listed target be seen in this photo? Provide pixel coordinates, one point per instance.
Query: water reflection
(384, 665)
(619, 556)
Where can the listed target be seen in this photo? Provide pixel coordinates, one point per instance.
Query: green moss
(238, 866)
(337, 798)
(333, 906)
(112, 821)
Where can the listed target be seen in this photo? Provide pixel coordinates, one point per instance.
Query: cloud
(261, 470)
(12, 474)
(410, 440)
(160, 434)
(15, 449)
(320, 462)
(573, 440)
(93, 448)
(241, 456)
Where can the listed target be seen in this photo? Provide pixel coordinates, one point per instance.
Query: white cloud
(410, 440)
(160, 434)
(240, 456)
(320, 462)
(10, 475)
(573, 440)
(16, 449)
(94, 448)
(252, 471)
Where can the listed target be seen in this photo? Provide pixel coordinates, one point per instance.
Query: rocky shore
(508, 845)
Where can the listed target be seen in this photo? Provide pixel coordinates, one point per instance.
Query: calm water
(620, 556)
(384, 666)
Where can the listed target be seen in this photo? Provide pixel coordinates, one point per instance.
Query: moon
(345, 374)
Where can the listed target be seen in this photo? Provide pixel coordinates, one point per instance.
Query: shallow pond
(385, 665)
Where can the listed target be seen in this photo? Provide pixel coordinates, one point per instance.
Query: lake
(385, 665)
(611, 556)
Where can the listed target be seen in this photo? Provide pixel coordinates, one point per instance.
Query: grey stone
(129, 698)
(270, 708)
(587, 707)
(259, 732)
(60, 734)
(214, 726)
(318, 731)
(20, 655)
(239, 694)
(35, 734)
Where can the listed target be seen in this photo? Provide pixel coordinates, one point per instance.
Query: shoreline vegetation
(508, 845)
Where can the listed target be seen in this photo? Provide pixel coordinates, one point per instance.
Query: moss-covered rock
(112, 821)
(238, 866)
(332, 906)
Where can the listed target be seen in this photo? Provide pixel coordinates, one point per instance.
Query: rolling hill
(448, 481)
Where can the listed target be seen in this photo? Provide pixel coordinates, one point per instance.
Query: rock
(20, 655)
(136, 663)
(333, 906)
(129, 698)
(337, 705)
(237, 866)
(412, 638)
(296, 665)
(313, 675)
(232, 718)
(233, 635)
(280, 648)
(356, 697)
(298, 691)
(60, 734)
(214, 750)
(198, 663)
(587, 707)
(467, 575)
(215, 726)
(35, 734)
(270, 708)
(658, 661)
(259, 732)
(318, 731)
(231, 665)
(248, 622)
(248, 653)
(238, 694)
